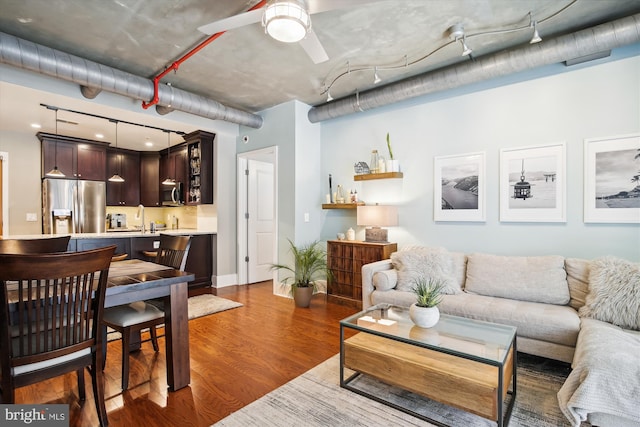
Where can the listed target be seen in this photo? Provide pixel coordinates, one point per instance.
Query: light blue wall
(590, 102)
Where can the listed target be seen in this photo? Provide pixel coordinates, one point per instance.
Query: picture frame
(460, 187)
(612, 179)
(533, 183)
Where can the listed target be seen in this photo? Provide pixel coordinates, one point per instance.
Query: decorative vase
(302, 296)
(393, 166)
(351, 234)
(424, 317)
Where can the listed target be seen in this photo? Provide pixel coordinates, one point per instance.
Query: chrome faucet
(140, 215)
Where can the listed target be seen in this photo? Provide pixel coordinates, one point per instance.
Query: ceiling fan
(287, 21)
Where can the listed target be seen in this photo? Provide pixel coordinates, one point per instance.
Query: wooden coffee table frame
(455, 378)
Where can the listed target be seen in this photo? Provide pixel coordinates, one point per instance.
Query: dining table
(136, 280)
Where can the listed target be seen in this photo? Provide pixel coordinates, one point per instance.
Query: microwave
(173, 195)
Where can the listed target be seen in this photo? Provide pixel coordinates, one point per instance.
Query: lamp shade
(377, 216)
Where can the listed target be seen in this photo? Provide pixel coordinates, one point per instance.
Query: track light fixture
(534, 24)
(456, 34)
(466, 50)
(329, 97)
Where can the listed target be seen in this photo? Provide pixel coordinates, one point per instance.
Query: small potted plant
(392, 164)
(309, 265)
(424, 312)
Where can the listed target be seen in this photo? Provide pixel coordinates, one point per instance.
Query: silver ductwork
(600, 38)
(94, 77)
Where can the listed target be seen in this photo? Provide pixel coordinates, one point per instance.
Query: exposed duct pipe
(603, 37)
(24, 54)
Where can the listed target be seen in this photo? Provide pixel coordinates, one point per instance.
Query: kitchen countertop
(117, 234)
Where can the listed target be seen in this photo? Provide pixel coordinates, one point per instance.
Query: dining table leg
(177, 337)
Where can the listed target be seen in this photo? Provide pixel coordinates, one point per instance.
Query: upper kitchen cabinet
(150, 179)
(199, 168)
(173, 163)
(125, 163)
(75, 157)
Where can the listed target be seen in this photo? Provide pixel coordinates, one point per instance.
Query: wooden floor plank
(237, 356)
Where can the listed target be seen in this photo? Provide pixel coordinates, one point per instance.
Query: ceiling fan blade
(232, 22)
(311, 44)
(317, 6)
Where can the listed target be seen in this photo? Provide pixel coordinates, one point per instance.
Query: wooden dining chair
(139, 315)
(34, 246)
(51, 309)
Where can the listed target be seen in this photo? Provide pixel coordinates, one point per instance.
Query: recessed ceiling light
(36, 125)
(25, 20)
(149, 144)
(99, 135)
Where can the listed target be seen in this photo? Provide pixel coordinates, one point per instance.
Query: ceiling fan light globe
(286, 21)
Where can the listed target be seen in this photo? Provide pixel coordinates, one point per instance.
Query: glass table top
(460, 336)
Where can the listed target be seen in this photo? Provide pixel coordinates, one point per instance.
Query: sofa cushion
(537, 278)
(578, 280)
(385, 280)
(614, 292)
(428, 263)
(545, 322)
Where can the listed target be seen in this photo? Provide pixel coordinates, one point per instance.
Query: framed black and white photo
(459, 187)
(612, 179)
(533, 184)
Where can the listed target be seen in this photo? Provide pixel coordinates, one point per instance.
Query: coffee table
(464, 363)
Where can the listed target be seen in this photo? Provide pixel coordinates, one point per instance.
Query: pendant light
(168, 180)
(116, 176)
(55, 172)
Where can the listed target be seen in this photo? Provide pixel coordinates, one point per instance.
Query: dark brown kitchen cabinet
(75, 157)
(91, 162)
(126, 163)
(150, 179)
(173, 163)
(199, 185)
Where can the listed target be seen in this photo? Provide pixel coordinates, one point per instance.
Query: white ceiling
(246, 69)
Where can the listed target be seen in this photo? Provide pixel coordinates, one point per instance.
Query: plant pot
(393, 166)
(302, 296)
(424, 317)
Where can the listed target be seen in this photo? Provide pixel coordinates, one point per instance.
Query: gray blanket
(605, 379)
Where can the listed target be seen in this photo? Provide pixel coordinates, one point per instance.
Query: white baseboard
(224, 281)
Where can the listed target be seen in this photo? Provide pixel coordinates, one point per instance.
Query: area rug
(316, 399)
(199, 306)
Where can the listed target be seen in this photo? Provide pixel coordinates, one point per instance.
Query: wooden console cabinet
(345, 260)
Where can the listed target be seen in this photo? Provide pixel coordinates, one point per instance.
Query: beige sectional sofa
(548, 300)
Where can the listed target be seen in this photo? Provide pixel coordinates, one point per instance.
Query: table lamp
(375, 217)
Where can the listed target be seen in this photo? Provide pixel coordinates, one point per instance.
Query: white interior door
(261, 220)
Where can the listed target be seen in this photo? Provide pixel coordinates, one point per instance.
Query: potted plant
(309, 265)
(392, 164)
(424, 312)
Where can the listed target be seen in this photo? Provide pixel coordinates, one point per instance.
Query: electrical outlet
(31, 217)
(156, 244)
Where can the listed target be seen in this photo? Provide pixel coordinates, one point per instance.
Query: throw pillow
(614, 292)
(524, 278)
(434, 263)
(385, 280)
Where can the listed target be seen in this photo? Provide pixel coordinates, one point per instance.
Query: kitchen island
(201, 260)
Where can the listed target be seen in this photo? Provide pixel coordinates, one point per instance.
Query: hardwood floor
(237, 356)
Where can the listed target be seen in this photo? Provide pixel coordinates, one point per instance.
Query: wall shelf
(341, 205)
(384, 175)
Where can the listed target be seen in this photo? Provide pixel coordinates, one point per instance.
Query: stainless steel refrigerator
(73, 206)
